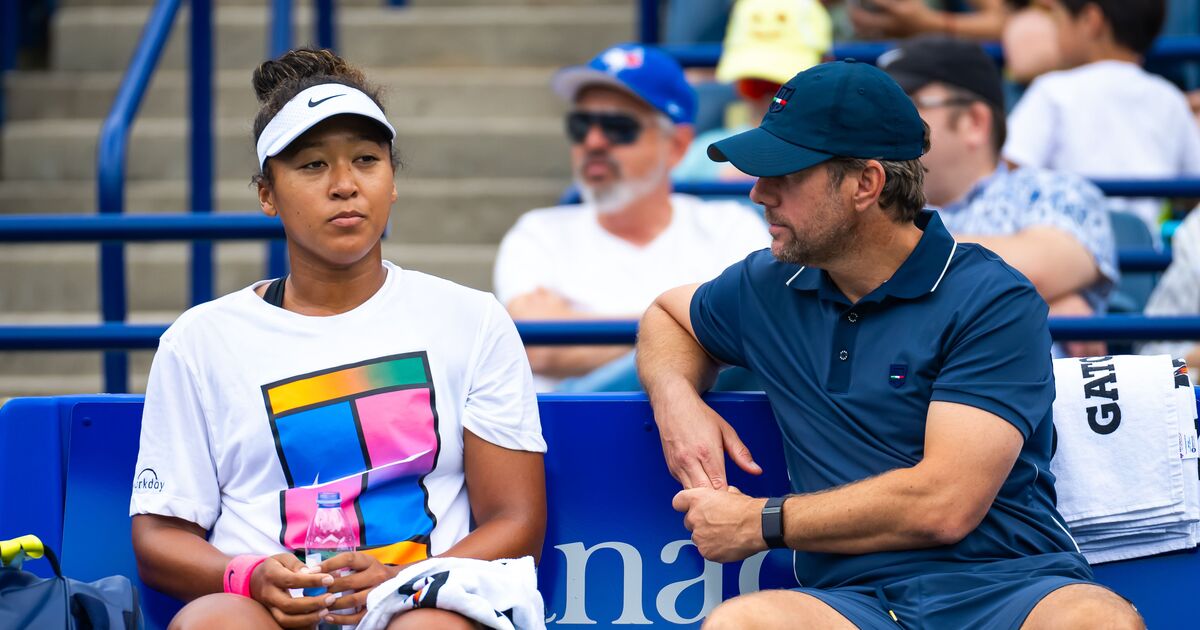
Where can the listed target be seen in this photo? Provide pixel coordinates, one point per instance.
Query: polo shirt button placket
(843, 355)
(852, 317)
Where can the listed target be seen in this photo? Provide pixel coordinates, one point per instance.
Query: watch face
(772, 523)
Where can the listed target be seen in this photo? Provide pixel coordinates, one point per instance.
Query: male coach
(910, 376)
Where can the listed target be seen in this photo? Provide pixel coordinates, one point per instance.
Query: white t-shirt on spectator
(1177, 293)
(564, 249)
(1109, 120)
(252, 409)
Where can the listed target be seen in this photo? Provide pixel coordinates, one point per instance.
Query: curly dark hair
(277, 81)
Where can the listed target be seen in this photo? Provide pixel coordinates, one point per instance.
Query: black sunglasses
(617, 128)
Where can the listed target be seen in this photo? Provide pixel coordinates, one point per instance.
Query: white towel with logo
(498, 594)
(1125, 465)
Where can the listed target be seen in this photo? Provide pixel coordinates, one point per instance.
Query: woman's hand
(366, 572)
(270, 585)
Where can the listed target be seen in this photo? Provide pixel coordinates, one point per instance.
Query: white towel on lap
(1125, 464)
(498, 594)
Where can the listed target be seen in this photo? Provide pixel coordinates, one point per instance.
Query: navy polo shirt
(851, 384)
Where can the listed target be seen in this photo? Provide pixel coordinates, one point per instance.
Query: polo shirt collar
(921, 272)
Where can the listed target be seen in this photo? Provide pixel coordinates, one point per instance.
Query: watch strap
(772, 523)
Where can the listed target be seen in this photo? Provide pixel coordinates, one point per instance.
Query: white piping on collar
(947, 266)
(789, 282)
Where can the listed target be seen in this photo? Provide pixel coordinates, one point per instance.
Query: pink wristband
(238, 572)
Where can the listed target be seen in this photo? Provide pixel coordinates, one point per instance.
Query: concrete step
(63, 373)
(443, 93)
(103, 38)
(61, 149)
(37, 278)
(452, 211)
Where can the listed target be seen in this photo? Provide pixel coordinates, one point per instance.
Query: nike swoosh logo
(312, 103)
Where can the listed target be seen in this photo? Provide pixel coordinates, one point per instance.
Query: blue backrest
(615, 553)
(1134, 288)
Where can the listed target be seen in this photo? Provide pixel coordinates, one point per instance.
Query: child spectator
(1106, 117)
(768, 42)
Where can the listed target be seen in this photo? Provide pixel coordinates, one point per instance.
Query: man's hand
(541, 303)
(894, 18)
(270, 584)
(695, 439)
(726, 525)
(366, 572)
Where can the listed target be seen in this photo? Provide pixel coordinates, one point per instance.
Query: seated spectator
(1178, 292)
(1030, 43)
(1052, 227)
(1106, 117)
(631, 238)
(891, 19)
(402, 400)
(768, 42)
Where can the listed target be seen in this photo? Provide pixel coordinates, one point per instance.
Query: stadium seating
(615, 552)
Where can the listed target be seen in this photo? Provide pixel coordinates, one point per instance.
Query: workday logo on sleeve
(147, 481)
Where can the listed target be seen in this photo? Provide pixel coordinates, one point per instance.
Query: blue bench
(615, 554)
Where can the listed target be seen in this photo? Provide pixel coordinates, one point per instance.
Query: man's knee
(221, 610)
(775, 608)
(1084, 606)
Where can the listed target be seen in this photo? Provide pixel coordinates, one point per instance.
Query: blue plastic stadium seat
(615, 554)
(1134, 288)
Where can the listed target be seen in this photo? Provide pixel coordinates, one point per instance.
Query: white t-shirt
(1177, 293)
(1108, 119)
(252, 409)
(565, 250)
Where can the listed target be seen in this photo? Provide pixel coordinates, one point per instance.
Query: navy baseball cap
(643, 71)
(839, 109)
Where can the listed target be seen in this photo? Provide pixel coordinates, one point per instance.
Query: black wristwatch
(772, 523)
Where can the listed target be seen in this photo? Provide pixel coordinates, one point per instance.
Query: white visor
(310, 107)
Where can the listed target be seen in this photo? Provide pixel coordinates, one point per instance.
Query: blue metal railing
(1186, 187)
(145, 336)
(110, 166)
(1167, 48)
(138, 227)
(250, 226)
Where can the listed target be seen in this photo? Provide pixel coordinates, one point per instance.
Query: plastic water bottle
(328, 535)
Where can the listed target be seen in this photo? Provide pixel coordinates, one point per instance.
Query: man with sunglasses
(1052, 227)
(629, 122)
(910, 377)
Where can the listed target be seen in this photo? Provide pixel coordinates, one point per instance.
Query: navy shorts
(993, 596)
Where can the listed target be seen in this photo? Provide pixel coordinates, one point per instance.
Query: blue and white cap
(310, 107)
(643, 71)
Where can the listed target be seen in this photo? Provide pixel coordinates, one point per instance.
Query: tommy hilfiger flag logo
(897, 375)
(781, 98)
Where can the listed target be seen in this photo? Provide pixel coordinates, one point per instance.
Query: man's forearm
(1055, 262)
(568, 361)
(893, 511)
(669, 359)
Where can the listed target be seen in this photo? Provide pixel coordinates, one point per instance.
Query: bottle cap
(329, 499)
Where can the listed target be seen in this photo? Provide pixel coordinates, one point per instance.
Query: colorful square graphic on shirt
(369, 431)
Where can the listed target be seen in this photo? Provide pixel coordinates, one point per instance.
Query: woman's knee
(431, 618)
(222, 610)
